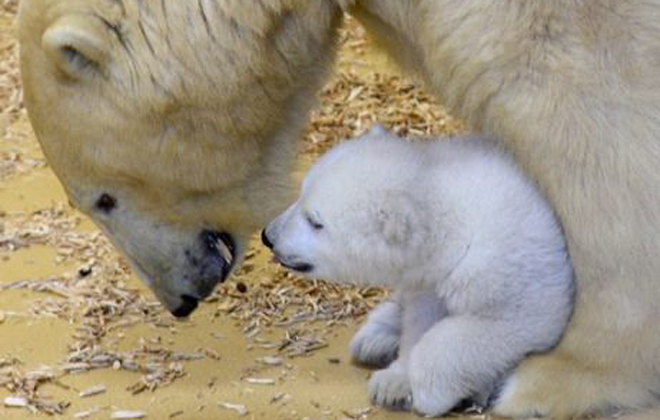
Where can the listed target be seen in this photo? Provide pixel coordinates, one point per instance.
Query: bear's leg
(609, 356)
(531, 391)
(390, 387)
(377, 342)
(561, 386)
(459, 357)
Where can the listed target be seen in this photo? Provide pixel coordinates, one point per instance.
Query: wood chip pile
(357, 97)
(11, 100)
(10, 94)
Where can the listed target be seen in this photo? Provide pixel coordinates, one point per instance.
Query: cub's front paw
(390, 388)
(433, 395)
(375, 345)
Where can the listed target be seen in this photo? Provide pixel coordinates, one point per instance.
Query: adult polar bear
(172, 124)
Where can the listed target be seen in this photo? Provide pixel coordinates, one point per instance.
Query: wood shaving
(281, 397)
(212, 354)
(86, 414)
(270, 360)
(15, 402)
(239, 409)
(260, 381)
(128, 415)
(95, 390)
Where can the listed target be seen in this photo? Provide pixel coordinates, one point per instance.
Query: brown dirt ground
(73, 319)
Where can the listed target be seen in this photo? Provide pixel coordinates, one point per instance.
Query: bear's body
(473, 252)
(187, 113)
(572, 90)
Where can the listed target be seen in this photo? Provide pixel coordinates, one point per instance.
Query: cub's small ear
(76, 46)
(398, 218)
(346, 4)
(377, 130)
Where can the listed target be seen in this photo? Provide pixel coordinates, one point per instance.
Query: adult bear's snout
(211, 263)
(208, 261)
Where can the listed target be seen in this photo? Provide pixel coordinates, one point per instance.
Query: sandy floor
(74, 319)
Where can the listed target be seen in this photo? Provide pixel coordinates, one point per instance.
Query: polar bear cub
(473, 254)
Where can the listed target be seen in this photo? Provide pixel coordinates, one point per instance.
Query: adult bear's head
(172, 124)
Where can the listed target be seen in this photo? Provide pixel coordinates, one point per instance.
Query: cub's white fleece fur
(473, 253)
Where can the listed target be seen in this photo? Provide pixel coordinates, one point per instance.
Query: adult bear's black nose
(265, 240)
(188, 305)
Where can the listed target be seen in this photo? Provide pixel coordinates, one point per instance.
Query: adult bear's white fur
(571, 88)
(473, 252)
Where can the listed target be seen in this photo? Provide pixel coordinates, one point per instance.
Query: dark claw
(401, 404)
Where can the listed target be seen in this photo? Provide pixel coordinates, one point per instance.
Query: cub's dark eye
(313, 222)
(106, 203)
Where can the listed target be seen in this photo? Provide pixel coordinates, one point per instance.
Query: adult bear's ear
(77, 46)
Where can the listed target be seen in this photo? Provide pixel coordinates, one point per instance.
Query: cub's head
(358, 218)
(172, 124)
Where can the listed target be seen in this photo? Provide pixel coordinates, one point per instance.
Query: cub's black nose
(187, 307)
(265, 240)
